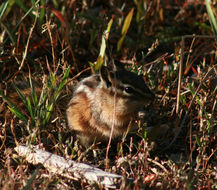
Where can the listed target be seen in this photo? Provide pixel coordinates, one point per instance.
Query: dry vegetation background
(39, 40)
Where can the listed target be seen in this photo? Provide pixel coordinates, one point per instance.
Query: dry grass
(180, 150)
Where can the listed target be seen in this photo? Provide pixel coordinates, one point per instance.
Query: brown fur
(100, 103)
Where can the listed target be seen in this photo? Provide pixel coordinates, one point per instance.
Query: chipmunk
(109, 99)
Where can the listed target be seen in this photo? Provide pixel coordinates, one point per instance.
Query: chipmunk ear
(105, 76)
(117, 65)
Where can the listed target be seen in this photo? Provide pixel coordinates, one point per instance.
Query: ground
(46, 48)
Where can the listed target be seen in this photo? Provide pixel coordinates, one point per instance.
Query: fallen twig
(69, 168)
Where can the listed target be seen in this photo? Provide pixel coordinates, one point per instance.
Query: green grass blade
(13, 108)
(9, 7)
(190, 86)
(33, 4)
(99, 63)
(42, 12)
(10, 34)
(34, 95)
(212, 18)
(55, 4)
(29, 106)
(140, 11)
(120, 42)
(7, 100)
(198, 101)
(18, 113)
(50, 106)
(198, 141)
(3, 8)
(125, 28)
(31, 180)
(127, 22)
(48, 114)
(42, 98)
(105, 36)
(65, 77)
(53, 80)
(22, 6)
(15, 28)
(20, 94)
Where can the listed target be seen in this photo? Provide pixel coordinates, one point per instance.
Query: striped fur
(111, 98)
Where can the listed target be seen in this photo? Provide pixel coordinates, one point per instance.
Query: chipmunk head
(129, 89)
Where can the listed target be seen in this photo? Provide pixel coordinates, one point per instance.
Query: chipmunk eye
(128, 90)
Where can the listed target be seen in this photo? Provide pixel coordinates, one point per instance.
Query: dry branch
(69, 168)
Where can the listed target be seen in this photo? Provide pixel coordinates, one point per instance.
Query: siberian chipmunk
(110, 99)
